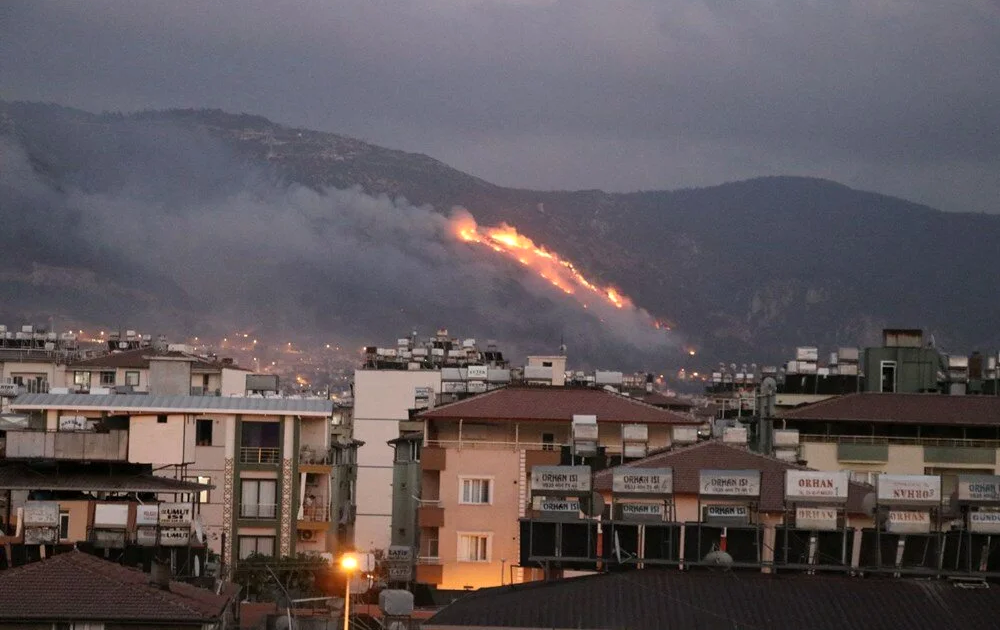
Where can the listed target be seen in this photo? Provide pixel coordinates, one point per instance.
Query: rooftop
(141, 403)
(524, 404)
(139, 358)
(16, 476)
(670, 599)
(903, 408)
(688, 462)
(75, 586)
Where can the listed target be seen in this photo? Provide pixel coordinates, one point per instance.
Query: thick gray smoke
(159, 229)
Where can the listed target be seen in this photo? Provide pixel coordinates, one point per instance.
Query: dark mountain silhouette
(744, 270)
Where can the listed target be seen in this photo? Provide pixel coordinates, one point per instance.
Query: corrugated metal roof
(20, 477)
(648, 599)
(902, 408)
(174, 404)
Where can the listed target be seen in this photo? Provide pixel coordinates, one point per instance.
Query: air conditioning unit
(306, 535)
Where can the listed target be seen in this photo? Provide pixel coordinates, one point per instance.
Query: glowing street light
(349, 563)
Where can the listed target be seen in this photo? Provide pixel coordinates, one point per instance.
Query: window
(132, 378)
(63, 525)
(81, 379)
(107, 379)
(474, 547)
(888, 376)
(546, 363)
(203, 431)
(548, 441)
(262, 545)
(161, 419)
(203, 496)
(258, 498)
(476, 491)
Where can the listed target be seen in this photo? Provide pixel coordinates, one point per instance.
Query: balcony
(205, 391)
(260, 455)
(314, 517)
(493, 445)
(432, 458)
(258, 510)
(429, 573)
(108, 446)
(430, 514)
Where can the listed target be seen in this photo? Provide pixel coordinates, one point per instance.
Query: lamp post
(349, 564)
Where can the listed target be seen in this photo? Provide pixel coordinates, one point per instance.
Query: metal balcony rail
(316, 513)
(259, 455)
(496, 445)
(902, 441)
(258, 510)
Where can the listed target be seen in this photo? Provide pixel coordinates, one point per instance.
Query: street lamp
(349, 564)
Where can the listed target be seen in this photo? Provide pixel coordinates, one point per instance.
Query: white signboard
(541, 504)
(635, 432)
(908, 522)
(399, 553)
(979, 489)
(108, 538)
(400, 573)
(560, 479)
(41, 535)
(41, 513)
(147, 514)
(146, 536)
(72, 423)
(909, 489)
(175, 514)
(477, 372)
(822, 519)
(727, 514)
(8, 390)
(175, 536)
(816, 487)
(643, 481)
(984, 522)
(111, 515)
(641, 511)
(730, 483)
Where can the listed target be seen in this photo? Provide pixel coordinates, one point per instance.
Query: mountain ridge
(744, 269)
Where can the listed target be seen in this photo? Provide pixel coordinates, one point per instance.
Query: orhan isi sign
(978, 489)
(560, 480)
(655, 481)
(909, 490)
(807, 486)
(730, 483)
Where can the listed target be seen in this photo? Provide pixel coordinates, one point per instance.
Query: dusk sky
(895, 96)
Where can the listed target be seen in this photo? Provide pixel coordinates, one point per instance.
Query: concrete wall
(154, 442)
(54, 373)
(169, 377)
(382, 398)
(234, 382)
(406, 489)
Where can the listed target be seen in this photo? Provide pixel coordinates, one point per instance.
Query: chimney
(159, 575)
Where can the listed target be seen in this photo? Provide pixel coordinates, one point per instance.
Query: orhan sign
(729, 483)
(979, 489)
(560, 480)
(909, 490)
(807, 486)
(654, 481)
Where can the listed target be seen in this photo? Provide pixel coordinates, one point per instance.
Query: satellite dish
(718, 558)
(197, 566)
(593, 505)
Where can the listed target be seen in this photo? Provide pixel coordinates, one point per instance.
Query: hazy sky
(897, 96)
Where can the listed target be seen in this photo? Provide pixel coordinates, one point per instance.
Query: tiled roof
(908, 408)
(142, 403)
(662, 400)
(555, 403)
(14, 476)
(139, 359)
(650, 599)
(76, 586)
(688, 462)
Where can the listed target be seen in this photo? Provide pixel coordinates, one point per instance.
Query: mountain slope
(744, 270)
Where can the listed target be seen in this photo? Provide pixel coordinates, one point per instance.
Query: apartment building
(277, 472)
(174, 371)
(475, 465)
(870, 433)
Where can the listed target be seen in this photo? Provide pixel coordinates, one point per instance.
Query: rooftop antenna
(562, 345)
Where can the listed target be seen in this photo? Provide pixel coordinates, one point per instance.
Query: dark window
(107, 379)
(260, 434)
(203, 432)
(132, 378)
(548, 441)
(888, 376)
(63, 525)
(546, 363)
(161, 419)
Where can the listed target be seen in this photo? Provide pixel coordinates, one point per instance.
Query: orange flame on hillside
(560, 273)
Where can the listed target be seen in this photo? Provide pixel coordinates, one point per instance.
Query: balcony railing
(317, 513)
(259, 455)
(495, 446)
(258, 510)
(105, 446)
(898, 441)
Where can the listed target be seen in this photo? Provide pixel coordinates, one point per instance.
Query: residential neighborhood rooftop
(902, 408)
(525, 404)
(144, 403)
